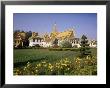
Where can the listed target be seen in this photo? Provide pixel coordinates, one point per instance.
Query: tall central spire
(54, 29)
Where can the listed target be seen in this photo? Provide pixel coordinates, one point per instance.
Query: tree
(85, 49)
(55, 43)
(15, 32)
(28, 34)
(65, 44)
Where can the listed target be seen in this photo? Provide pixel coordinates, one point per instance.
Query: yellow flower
(45, 65)
(28, 63)
(24, 68)
(50, 64)
(39, 65)
(79, 62)
(16, 73)
(76, 61)
(51, 70)
(50, 67)
(57, 63)
(61, 67)
(36, 70)
(17, 70)
(86, 62)
(66, 59)
(43, 62)
(64, 64)
(68, 68)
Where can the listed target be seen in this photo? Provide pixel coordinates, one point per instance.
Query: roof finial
(54, 27)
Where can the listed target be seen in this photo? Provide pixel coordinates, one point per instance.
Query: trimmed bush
(74, 49)
(55, 49)
(64, 49)
(65, 44)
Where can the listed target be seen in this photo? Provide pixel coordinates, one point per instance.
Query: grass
(28, 59)
(22, 56)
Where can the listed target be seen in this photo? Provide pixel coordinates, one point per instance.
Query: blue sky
(83, 23)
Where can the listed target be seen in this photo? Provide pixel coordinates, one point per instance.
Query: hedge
(64, 49)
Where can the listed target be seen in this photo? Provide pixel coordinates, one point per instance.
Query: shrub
(37, 46)
(75, 46)
(74, 49)
(66, 49)
(55, 49)
(55, 46)
(65, 44)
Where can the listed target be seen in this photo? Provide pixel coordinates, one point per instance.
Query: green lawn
(22, 56)
(45, 62)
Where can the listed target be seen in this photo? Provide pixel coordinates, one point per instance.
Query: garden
(64, 60)
(45, 62)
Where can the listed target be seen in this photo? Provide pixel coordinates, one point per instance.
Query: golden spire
(54, 27)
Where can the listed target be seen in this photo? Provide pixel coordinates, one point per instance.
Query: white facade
(46, 44)
(92, 43)
(74, 42)
(33, 42)
(78, 45)
(40, 42)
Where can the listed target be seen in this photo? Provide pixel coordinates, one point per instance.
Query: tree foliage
(85, 48)
(65, 44)
(24, 38)
(55, 43)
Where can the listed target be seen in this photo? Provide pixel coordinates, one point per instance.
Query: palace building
(19, 39)
(47, 39)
